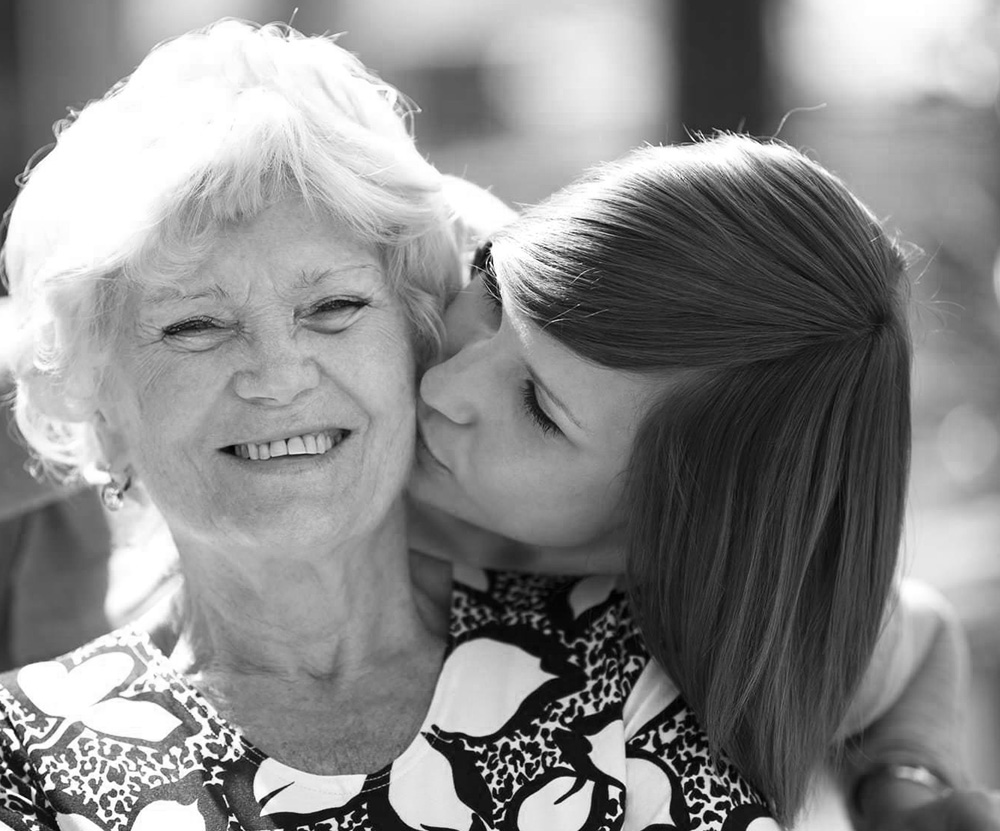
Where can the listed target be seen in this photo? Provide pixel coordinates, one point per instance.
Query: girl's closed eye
(533, 408)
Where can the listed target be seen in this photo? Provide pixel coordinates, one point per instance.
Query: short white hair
(211, 128)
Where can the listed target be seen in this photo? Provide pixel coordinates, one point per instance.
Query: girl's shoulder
(589, 613)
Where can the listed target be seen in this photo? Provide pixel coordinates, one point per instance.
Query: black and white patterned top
(547, 715)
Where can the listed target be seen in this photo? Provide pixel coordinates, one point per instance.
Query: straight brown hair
(765, 494)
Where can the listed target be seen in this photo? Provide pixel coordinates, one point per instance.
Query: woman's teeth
(311, 444)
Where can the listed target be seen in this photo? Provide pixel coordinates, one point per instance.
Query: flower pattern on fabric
(280, 789)
(548, 715)
(162, 815)
(79, 695)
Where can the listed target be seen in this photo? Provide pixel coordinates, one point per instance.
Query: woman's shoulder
(91, 734)
(110, 685)
(102, 659)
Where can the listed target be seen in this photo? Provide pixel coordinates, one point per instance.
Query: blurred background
(897, 96)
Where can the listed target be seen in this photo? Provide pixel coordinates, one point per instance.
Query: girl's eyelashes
(482, 267)
(534, 410)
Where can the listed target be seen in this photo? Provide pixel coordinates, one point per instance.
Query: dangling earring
(113, 492)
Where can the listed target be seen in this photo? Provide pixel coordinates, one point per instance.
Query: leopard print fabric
(548, 715)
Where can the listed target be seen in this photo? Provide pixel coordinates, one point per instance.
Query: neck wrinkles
(295, 612)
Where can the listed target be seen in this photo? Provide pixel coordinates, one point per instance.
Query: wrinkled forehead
(289, 245)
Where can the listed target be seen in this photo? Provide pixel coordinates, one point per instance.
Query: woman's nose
(279, 371)
(455, 386)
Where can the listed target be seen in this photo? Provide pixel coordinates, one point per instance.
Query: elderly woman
(227, 274)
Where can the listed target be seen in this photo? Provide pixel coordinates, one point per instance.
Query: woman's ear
(114, 447)
(50, 397)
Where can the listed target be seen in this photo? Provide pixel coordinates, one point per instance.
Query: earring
(113, 492)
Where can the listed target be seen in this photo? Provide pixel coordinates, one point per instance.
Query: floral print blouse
(548, 714)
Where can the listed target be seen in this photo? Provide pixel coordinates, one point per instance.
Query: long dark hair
(765, 492)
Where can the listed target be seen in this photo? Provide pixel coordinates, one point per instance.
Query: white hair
(211, 128)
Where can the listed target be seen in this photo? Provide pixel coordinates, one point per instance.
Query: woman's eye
(338, 305)
(334, 314)
(191, 326)
(534, 410)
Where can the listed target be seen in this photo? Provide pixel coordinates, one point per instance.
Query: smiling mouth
(308, 444)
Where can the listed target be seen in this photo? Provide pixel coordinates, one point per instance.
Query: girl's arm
(904, 768)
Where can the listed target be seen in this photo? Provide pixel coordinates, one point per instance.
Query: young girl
(692, 366)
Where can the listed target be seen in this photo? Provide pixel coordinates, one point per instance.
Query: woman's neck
(316, 611)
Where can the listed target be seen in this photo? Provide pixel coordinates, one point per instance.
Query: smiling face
(523, 437)
(269, 395)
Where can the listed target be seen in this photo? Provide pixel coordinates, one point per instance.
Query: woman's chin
(247, 515)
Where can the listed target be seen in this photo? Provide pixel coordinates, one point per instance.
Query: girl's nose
(455, 386)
